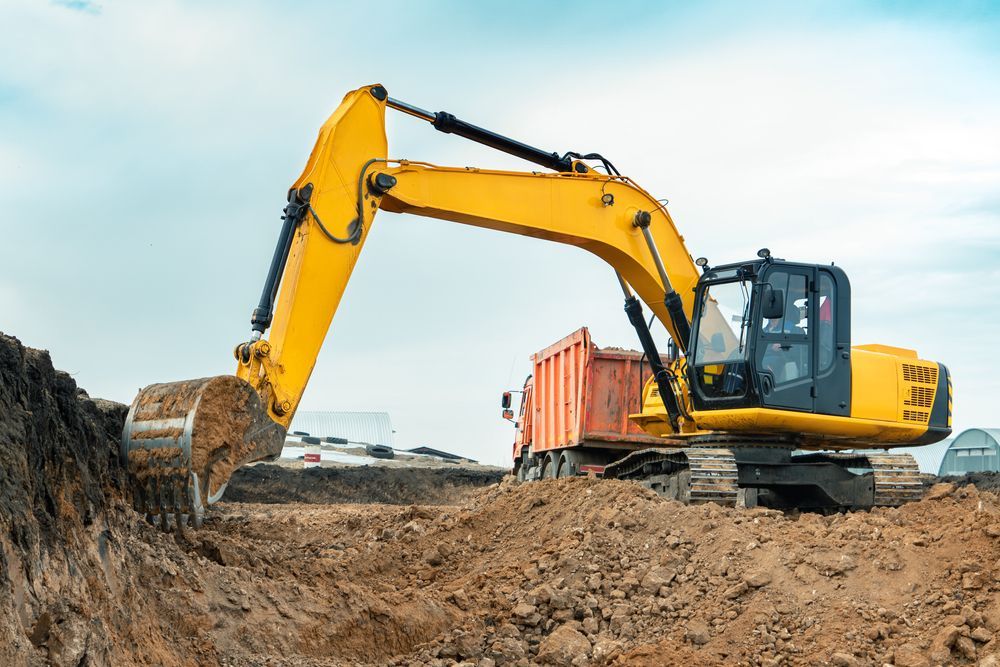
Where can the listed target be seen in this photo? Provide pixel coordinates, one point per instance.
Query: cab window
(723, 332)
(785, 339)
(825, 328)
(722, 328)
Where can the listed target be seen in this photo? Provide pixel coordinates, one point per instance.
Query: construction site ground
(453, 570)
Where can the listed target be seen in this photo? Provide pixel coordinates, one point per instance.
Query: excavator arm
(183, 440)
(348, 179)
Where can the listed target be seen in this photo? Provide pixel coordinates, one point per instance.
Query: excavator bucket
(183, 440)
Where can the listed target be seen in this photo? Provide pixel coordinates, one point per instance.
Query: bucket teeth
(162, 488)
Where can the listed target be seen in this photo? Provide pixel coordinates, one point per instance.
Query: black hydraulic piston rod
(446, 122)
(633, 308)
(294, 212)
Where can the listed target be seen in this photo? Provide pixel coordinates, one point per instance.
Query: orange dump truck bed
(581, 396)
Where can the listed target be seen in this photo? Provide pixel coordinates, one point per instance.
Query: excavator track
(897, 479)
(710, 474)
(713, 476)
(693, 475)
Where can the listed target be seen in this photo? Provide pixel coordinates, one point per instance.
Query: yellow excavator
(761, 398)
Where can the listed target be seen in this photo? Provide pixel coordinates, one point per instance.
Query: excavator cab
(772, 334)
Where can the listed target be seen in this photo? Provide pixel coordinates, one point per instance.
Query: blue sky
(145, 149)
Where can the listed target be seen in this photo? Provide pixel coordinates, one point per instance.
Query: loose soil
(571, 571)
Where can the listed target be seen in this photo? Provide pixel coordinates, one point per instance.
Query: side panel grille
(916, 416)
(920, 397)
(920, 374)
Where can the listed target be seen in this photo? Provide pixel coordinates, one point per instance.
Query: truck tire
(566, 468)
(380, 451)
(310, 440)
(335, 441)
(549, 464)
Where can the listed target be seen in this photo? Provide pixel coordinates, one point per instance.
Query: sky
(146, 148)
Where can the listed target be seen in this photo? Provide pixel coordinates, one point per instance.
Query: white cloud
(146, 151)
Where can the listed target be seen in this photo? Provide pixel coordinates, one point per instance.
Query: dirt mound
(265, 483)
(58, 484)
(984, 481)
(624, 575)
(565, 572)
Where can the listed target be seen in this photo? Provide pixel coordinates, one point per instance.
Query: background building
(974, 450)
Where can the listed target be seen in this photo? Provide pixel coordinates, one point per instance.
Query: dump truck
(575, 407)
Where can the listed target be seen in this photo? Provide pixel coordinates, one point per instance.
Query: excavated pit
(564, 572)
(264, 483)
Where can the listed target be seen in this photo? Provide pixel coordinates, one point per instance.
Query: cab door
(785, 352)
(832, 329)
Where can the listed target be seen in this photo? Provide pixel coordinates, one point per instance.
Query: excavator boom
(180, 463)
(349, 178)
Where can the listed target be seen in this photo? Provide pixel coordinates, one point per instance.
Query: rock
(606, 650)
(844, 660)
(832, 564)
(539, 595)
(940, 651)
(524, 610)
(958, 620)
(939, 491)
(563, 646)
(965, 647)
(460, 599)
(805, 574)
(656, 578)
(697, 632)
(981, 635)
(508, 630)
(467, 646)
(560, 599)
(527, 614)
(909, 655)
(507, 650)
(433, 557)
(563, 615)
(947, 636)
(992, 660)
(736, 590)
(758, 579)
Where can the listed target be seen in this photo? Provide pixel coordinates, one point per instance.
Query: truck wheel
(549, 467)
(565, 468)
